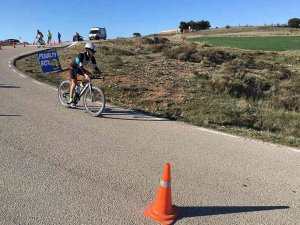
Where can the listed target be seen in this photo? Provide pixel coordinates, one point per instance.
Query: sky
(20, 19)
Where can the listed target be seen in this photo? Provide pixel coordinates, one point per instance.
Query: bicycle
(93, 96)
(40, 42)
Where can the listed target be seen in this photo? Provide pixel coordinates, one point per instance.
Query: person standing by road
(59, 38)
(49, 35)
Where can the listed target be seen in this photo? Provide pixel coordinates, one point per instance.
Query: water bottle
(77, 93)
(77, 90)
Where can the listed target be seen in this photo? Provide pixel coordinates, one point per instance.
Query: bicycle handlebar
(100, 77)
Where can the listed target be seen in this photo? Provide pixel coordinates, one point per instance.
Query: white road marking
(294, 150)
(218, 132)
(74, 43)
(233, 136)
(21, 75)
(38, 82)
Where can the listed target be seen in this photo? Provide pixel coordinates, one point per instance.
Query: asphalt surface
(63, 166)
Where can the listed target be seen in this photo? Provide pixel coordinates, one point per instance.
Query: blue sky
(124, 17)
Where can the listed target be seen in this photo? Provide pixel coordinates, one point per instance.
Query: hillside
(242, 31)
(249, 93)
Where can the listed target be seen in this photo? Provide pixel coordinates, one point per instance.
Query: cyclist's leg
(73, 78)
(82, 83)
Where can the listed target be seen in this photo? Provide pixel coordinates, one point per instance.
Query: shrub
(181, 52)
(294, 22)
(236, 80)
(191, 54)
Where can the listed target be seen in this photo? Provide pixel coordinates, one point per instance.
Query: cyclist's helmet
(90, 47)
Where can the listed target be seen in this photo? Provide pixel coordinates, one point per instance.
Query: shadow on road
(116, 113)
(218, 210)
(8, 86)
(9, 115)
(124, 114)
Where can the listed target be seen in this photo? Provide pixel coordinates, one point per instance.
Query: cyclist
(77, 67)
(40, 36)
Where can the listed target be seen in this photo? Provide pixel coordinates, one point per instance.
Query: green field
(272, 43)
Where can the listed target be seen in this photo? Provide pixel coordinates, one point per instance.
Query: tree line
(204, 24)
(194, 25)
(294, 23)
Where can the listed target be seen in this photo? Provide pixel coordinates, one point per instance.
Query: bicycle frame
(94, 100)
(89, 85)
(40, 42)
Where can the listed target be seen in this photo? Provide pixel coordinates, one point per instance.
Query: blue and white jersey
(82, 59)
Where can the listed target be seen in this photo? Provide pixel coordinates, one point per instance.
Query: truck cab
(97, 33)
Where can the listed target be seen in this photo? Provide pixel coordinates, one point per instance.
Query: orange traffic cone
(162, 210)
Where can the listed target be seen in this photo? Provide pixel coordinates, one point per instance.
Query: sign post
(49, 61)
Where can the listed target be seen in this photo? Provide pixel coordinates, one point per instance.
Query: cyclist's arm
(79, 62)
(98, 71)
(84, 72)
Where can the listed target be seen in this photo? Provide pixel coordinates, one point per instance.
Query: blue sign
(49, 61)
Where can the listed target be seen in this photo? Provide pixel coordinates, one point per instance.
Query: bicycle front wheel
(94, 101)
(64, 92)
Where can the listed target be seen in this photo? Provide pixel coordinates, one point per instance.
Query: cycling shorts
(74, 72)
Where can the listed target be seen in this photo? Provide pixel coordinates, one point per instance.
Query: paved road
(62, 166)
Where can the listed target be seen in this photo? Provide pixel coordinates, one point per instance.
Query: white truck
(97, 33)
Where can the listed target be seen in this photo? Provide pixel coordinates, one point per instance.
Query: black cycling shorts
(74, 72)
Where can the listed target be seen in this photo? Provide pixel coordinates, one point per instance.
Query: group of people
(40, 36)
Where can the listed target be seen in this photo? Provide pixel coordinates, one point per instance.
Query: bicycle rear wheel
(94, 101)
(64, 92)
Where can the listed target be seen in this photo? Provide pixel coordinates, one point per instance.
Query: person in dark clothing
(59, 38)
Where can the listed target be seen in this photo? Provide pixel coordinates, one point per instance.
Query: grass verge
(249, 93)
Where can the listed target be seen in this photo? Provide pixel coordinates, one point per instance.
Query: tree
(203, 25)
(193, 25)
(294, 22)
(183, 26)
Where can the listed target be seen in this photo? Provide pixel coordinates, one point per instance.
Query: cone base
(159, 217)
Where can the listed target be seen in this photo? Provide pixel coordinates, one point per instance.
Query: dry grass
(249, 93)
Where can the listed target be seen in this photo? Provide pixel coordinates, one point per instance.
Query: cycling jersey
(82, 59)
(40, 35)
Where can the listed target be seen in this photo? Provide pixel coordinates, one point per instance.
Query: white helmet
(90, 46)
